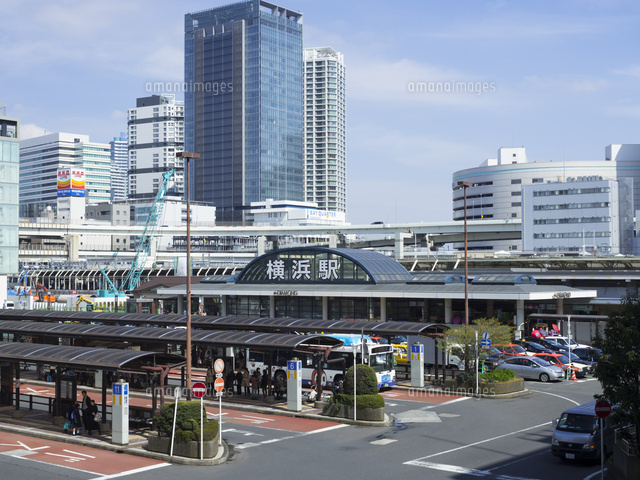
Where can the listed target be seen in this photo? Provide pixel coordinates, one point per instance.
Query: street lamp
(187, 156)
(464, 186)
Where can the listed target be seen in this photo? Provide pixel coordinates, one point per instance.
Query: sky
(560, 78)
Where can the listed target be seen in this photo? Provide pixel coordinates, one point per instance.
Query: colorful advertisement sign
(71, 182)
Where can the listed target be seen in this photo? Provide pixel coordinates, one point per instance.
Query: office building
(119, 167)
(243, 105)
(584, 216)
(116, 214)
(9, 162)
(156, 134)
(42, 157)
(325, 127)
(283, 213)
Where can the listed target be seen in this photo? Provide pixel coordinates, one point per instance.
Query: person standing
(245, 379)
(86, 403)
(263, 383)
(254, 380)
(75, 418)
(211, 378)
(90, 419)
(231, 376)
(239, 382)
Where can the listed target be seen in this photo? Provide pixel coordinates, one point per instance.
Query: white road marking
(555, 395)
(455, 400)
(78, 453)
(326, 429)
(241, 432)
(382, 441)
(467, 471)
(132, 472)
(480, 442)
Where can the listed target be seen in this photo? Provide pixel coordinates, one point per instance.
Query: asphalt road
(434, 436)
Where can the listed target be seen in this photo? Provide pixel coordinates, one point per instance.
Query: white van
(9, 305)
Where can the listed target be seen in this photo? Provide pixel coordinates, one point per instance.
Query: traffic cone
(573, 375)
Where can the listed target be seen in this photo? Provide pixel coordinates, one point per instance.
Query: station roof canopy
(85, 357)
(257, 324)
(256, 340)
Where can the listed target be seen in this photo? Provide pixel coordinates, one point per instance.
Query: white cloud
(565, 83)
(625, 111)
(633, 71)
(30, 130)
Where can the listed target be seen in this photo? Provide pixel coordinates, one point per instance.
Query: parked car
(512, 349)
(548, 343)
(399, 353)
(563, 361)
(567, 342)
(577, 434)
(532, 368)
(588, 353)
(534, 347)
(491, 357)
(576, 359)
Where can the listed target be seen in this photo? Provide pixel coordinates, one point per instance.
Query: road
(434, 436)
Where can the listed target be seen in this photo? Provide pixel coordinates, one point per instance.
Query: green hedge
(366, 378)
(362, 401)
(496, 376)
(187, 422)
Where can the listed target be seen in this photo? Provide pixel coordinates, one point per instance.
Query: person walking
(91, 422)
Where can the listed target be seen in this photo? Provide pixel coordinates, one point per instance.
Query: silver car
(533, 368)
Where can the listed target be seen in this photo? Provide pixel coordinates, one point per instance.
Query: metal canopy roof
(230, 323)
(99, 358)
(264, 341)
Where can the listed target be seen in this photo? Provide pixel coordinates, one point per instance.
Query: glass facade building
(9, 162)
(243, 105)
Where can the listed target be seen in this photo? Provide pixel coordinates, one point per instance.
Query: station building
(350, 284)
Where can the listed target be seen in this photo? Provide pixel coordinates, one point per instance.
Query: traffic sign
(199, 389)
(603, 409)
(218, 385)
(218, 366)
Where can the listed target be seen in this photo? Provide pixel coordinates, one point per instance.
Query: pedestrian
(263, 383)
(86, 403)
(91, 419)
(239, 382)
(254, 380)
(231, 376)
(245, 379)
(76, 421)
(211, 378)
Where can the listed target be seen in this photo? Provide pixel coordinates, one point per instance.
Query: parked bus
(378, 356)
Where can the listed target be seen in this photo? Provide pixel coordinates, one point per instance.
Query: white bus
(378, 356)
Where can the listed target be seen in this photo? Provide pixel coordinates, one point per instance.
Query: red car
(512, 349)
(562, 361)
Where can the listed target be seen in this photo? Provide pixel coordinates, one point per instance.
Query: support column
(519, 317)
(383, 309)
(262, 241)
(491, 311)
(272, 306)
(180, 305)
(399, 245)
(223, 305)
(560, 305)
(448, 310)
(333, 241)
(325, 308)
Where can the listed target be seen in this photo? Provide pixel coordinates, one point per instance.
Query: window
(516, 181)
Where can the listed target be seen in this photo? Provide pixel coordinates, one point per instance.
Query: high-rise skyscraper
(119, 167)
(156, 134)
(325, 127)
(9, 161)
(243, 105)
(42, 157)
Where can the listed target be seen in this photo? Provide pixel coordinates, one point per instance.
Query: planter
(485, 388)
(346, 411)
(182, 449)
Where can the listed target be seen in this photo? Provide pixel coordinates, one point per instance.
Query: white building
(156, 134)
(9, 161)
(583, 215)
(282, 213)
(119, 167)
(40, 159)
(325, 140)
(496, 193)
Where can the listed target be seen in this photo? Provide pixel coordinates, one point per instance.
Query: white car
(566, 341)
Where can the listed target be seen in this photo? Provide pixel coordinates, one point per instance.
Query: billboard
(71, 182)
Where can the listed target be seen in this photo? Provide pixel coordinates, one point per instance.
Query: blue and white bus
(378, 356)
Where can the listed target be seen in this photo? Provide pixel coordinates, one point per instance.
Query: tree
(465, 337)
(618, 369)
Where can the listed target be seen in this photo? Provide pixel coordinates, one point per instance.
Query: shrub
(366, 378)
(187, 422)
(362, 401)
(502, 375)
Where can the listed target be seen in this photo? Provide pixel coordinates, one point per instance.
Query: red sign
(218, 366)
(199, 389)
(603, 409)
(218, 385)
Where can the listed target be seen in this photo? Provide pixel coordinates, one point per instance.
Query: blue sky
(562, 78)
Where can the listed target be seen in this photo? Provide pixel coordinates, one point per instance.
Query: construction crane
(145, 242)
